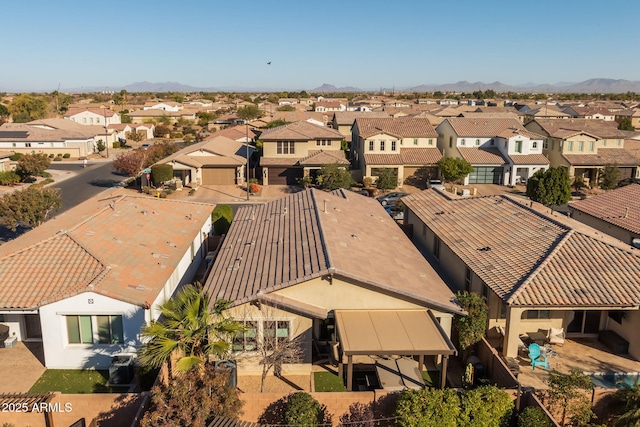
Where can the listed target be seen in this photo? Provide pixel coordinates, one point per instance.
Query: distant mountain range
(587, 86)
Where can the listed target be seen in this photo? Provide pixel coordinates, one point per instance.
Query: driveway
(20, 367)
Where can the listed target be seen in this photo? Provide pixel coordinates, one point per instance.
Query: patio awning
(391, 332)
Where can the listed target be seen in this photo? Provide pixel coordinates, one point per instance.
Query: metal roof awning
(391, 332)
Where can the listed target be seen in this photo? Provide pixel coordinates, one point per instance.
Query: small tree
(334, 176)
(532, 416)
(568, 395)
(428, 407)
(470, 328)
(302, 409)
(578, 183)
(454, 168)
(161, 131)
(159, 151)
(625, 124)
(30, 207)
(130, 163)
(100, 146)
(249, 112)
(193, 400)
(31, 165)
(161, 173)
(221, 218)
(625, 407)
(275, 123)
(486, 406)
(551, 187)
(9, 178)
(609, 177)
(359, 415)
(387, 179)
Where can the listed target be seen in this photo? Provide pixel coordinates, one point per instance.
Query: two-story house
(298, 149)
(164, 106)
(501, 150)
(585, 146)
(407, 146)
(343, 120)
(93, 116)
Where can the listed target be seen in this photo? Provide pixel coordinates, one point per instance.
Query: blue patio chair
(537, 358)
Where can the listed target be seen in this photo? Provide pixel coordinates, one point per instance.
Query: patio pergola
(391, 333)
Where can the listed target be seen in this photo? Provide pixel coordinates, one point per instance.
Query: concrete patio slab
(21, 366)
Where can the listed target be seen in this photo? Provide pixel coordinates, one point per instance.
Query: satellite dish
(636, 243)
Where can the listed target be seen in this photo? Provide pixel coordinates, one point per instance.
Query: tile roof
(311, 234)
(604, 156)
(323, 157)
(567, 127)
(344, 118)
(482, 156)
(99, 111)
(407, 156)
(279, 161)
(219, 150)
(528, 159)
(620, 207)
(39, 134)
(399, 127)
(300, 131)
(115, 244)
(527, 258)
(484, 127)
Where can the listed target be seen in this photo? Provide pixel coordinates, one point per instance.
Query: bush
(116, 144)
(254, 188)
(59, 155)
(221, 218)
(359, 415)
(532, 416)
(66, 155)
(45, 175)
(47, 181)
(15, 157)
(57, 159)
(191, 192)
(367, 182)
(303, 409)
(176, 135)
(486, 406)
(428, 408)
(51, 156)
(387, 179)
(161, 173)
(9, 178)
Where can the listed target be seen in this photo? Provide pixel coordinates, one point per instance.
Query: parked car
(394, 211)
(145, 146)
(391, 198)
(435, 183)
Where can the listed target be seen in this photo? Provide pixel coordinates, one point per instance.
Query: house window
(98, 120)
(285, 147)
(467, 280)
(110, 329)
(382, 145)
(553, 145)
(246, 340)
(450, 141)
(537, 314)
(485, 292)
(370, 145)
(415, 141)
(569, 145)
(590, 145)
(84, 120)
(79, 330)
(534, 144)
(436, 247)
(430, 141)
(604, 142)
(518, 146)
(91, 120)
(503, 310)
(545, 144)
(278, 329)
(424, 230)
(616, 315)
(462, 142)
(618, 142)
(580, 145)
(393, 145)
(323, 142)
(477, 142)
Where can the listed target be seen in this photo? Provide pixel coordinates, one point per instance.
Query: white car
(435, 183)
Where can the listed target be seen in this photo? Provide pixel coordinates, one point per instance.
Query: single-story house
(29, 139)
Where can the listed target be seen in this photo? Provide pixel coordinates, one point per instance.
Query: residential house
(298, 149)
(616, 213)
(407, 146)
(108, 136)
(124, 130)
(585, 146)
(5, 158)
(171, 106)
(216, 160)
(501, 150)
(86, 282)
(333, 268)
(343, 120)
(287, 101)
(93, 116)
(544, 111)
(325, 106)
(536, 271)
(145, 116)
(632, 114)
(30, 139)
(590, 112)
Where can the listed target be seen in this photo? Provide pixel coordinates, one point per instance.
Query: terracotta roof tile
(300, 131)
(383, 159)
(620, 207)
(420, 156)
(398, 127)
(346, 118)
(600, 128)
(323, 157)
(482, 156)
(529, 159)
(604, 156)
(486, 127)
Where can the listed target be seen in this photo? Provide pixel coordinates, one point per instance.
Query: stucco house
(585, 146)
(36, 138)
(501, 150)
(108, 135)
(216, 160)
(320, 264)
(536, 271)
(93, 116)
(164, 105)
(407, 146)
(342, 121)
(85, 282)
(298, 149)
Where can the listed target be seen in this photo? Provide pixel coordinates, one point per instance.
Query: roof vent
(485, 249)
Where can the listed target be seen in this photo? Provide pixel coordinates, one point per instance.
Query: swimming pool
(614, 379)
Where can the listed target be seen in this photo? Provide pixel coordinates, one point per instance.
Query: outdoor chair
(556, 336)
(537, 358)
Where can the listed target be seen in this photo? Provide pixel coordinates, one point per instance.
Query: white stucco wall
(59, 354)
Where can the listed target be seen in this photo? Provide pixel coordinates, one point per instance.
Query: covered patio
(392, 333)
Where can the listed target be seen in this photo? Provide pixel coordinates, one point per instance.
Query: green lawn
(72, 381)
(326, 381)
(431, 378)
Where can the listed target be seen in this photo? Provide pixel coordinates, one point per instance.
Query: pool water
(614, 379)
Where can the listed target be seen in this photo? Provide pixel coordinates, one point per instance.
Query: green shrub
(485, 406)
(59, 155)
(9, 178)
(221, 218)
(532, 416)
(116, 144)
(57, 159)
(45, 174)
(15, 157)
(302, 409)
(161, 173)
(47, 181)
(176, 135)
(51, 156)
(191, 192)
(428, 408)
(66, 155)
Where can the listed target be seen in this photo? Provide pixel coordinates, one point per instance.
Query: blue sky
(366, 44)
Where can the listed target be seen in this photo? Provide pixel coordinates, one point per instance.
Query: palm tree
(190, 329)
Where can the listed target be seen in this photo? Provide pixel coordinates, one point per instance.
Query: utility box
(231, 367)
(121, 369)
(10, 342)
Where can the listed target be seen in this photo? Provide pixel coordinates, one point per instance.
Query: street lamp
(246, 139)
(106, 135)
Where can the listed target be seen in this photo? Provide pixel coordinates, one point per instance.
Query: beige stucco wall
(628, 330)
(607, 228)
(302, 148)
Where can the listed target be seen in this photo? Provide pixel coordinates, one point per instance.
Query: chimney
(626, 212)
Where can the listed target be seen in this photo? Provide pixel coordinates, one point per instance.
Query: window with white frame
(370, 145)
(278, 329)
(382, 145)
(534, 144)
(569, 145)
(477, 142)
(430, 142)
(79, 329)
(247, 339)
(102, 329)
(285, 147)
(590, 145)
(580, 145)
(463, 142)
(393, 145)
(323, 142)
(415, 141)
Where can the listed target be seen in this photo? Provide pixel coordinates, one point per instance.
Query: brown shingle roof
(38, 134)
(312, 234)
(620, 207)
(527, 258)
(482, 156)
(562, 128)
(605, 156)
(398, 127)
(300, 131)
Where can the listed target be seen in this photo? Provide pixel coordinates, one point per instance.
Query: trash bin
(230, 366)
(478, 368)
(121, 369)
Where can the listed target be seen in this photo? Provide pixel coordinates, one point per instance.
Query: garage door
(285, 176)
(416, 175)
(486, 175)
(218, 176)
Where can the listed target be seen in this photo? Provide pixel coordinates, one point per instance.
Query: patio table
(537, 337)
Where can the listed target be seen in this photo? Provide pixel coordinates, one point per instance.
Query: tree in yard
(359, 415)
(302, 409)
(31, 165)
(191, 329)
(161, 173)
(100, 146)
(532, 416)
(625, 124)
(221, 218)
(334, 176)
(569, 395)
(470, 328)
(193, 400)
(30, 207)
(551, 187)
(454, 168)
(136, 135)
(276, 123)
(578, 183)
(159, 151)
(428, 407)
(161, 131)
(609, 177)
(387, 179)
(274, 350)
(249, 112)
(25, 108)
(486, 406)
(625, 407)
(286, 108)
(4, 111)
(130, 163)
